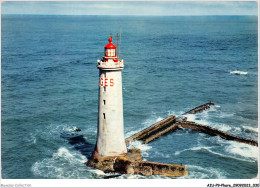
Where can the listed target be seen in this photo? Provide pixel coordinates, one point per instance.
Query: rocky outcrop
(131, 163)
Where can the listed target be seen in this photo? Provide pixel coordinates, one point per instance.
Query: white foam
(143, 147)
(171, 112)
(52, 130)
(252, 129)
(192, 149)
(220, 126)
(161, 154)
(243, 150)
(159, 119)
(228, 156)
(191, 117)
(197, 172)
(132, 133)
(32, 139)
(237, 150)
(211, 109)
(62, 164)
(248, 152)
(152, 120)
(130, 176)
(224, 114)
(97, 171)
(138, 144)
(70, 128)
(146, 124)
(238, 72)
(204, 113)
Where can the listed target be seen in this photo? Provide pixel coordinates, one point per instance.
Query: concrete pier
(215, 132)
(160, 133)
(153, 129)
(172, 123)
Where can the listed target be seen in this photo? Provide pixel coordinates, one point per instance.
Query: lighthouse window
(110, 52)
(104, 88)
(104, 115)
(104, 102)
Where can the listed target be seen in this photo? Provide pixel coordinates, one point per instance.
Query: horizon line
(129, 15)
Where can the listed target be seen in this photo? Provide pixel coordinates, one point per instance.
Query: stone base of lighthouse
(131, 163)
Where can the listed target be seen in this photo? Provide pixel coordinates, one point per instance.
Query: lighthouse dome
(110, 45)
(110, 49)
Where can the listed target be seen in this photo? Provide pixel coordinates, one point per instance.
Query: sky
(147, 8)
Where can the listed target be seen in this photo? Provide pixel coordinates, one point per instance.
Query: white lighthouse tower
(111, 154)
(110, 141)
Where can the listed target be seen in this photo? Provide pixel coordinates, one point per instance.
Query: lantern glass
(110, 52)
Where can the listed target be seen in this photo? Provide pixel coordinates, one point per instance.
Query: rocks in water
(131, 163)
(199, 108)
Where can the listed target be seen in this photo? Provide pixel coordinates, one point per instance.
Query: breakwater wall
(200, 108)
(149, 132)
(172, 123)
(215, 132)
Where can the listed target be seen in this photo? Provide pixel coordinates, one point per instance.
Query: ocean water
(49, 85)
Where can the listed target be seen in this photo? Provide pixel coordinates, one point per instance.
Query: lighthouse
(111, 154)
(110, 136)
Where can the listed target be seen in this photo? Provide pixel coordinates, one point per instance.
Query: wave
(225, 115)
(231, 149)
(130, 133)
(191, 149)
(32, 139)
(250, 129)
(228, 156)
(222, 127)
(143, 147)
(238, 72)
(62, 164)
(243, 150)
(234, 150)
(154, 119)
(161, 154)
(138, 144)
(97, 171)
(197, 118)
(179, 113)
(137, 176)
(223, 148)
(53, 132)
(197, 172)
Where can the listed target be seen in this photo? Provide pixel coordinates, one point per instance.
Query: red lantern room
(110, 49)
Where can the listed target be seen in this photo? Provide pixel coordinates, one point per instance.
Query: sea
(49, 88)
